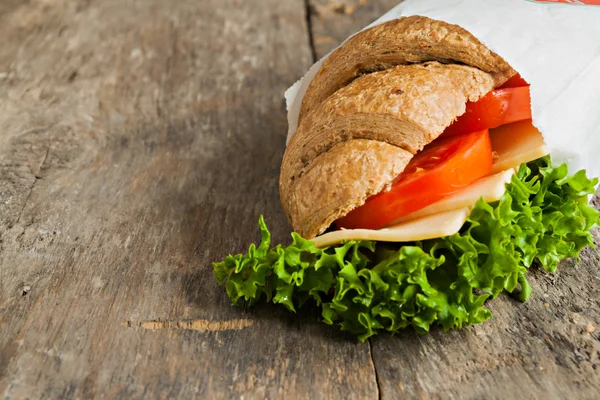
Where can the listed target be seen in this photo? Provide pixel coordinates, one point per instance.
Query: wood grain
(140, 140)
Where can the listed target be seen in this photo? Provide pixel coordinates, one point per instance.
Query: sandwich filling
(443, 178)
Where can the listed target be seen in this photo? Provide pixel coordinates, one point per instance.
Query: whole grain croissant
(376, 101)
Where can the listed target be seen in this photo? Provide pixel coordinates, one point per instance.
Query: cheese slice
(429, 227)
(491, 188)
(515, 144)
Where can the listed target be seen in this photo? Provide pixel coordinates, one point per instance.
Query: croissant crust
(359, 129)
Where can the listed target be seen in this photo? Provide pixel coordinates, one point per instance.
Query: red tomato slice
(498, 107)
(515, 81)
(442, 168)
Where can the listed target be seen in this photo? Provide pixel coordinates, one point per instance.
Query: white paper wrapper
(555, 47)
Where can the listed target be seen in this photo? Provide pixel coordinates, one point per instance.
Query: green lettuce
(365, 286)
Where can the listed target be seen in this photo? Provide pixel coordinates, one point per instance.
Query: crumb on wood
(25, 289)
(350, 9)
(344, 7)
(325, 39)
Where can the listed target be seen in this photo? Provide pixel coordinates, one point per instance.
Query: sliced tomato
(442, 168)
(516, 81)
(498, 107)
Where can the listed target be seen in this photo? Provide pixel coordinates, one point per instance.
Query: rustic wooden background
(139, 141)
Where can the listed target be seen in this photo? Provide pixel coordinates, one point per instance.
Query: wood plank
(546, 348)
(139, 141)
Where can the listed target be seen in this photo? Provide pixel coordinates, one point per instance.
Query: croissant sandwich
(417, 186)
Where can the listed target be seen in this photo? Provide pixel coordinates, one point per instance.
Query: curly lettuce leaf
(365, 287)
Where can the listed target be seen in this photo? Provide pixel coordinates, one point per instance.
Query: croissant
(377, 101)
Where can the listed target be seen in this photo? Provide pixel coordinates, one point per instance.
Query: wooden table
(139, 141)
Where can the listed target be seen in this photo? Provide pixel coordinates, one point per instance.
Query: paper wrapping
(555, 47)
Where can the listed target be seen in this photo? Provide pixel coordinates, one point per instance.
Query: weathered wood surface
(139, 141)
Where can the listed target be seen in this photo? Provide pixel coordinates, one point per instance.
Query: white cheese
(515, 144)
(429, 227)
(491, 188)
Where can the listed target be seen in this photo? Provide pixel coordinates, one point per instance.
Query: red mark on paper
(588, 2)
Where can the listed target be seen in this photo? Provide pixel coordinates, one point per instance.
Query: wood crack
(309, 28)
(377, 380)
(36, 177)
(200, 325)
